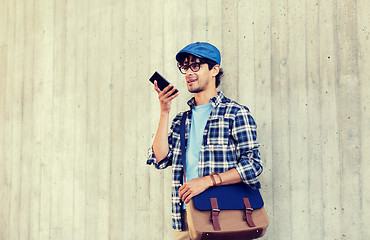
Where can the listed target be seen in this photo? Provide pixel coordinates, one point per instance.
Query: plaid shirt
(229, 141)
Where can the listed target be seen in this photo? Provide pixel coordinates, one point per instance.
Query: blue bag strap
(183, 142)
(183, 155)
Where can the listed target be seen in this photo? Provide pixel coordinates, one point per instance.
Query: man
(221, 134)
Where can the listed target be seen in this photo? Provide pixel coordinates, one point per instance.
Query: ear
(215, 70)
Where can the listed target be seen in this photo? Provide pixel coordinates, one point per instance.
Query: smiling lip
(192, 80)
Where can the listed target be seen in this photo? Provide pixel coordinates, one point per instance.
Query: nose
(188, 71)
(189, 74)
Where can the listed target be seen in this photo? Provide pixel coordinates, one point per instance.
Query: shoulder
(179, 115)
(237, 113)
(233, 108)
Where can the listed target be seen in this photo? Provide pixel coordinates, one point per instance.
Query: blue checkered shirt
(229, 141)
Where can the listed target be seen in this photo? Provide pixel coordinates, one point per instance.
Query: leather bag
(227, 212)
(232, 212)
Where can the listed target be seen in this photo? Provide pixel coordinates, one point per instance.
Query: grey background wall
(77, 112)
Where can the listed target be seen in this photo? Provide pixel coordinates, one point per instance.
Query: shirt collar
(214, 101)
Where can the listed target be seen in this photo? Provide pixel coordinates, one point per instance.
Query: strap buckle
(248, 213)
(214, 214)
(216, 210)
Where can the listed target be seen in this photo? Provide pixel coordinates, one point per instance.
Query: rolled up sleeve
(167, 161)
(244, 132)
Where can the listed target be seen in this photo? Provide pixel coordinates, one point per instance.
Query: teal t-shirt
(200, 115)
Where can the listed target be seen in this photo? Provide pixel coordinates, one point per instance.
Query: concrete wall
(77, 112)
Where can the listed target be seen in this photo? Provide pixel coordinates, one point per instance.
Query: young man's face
(201, 80)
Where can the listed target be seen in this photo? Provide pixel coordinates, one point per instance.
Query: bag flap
(229, 197)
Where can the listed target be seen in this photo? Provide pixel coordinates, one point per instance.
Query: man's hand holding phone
(166, 92)
(166, 96)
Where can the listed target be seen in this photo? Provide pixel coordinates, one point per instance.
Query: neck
(203, 97)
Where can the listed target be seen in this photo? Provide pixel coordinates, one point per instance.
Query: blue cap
(201, 50)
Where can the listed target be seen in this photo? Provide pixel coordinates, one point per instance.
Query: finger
(156, 88)
(180, 193)
(166, 92)
(186, 195)
(174, 96)
(166, 89)
(187, 200)
(169, 92)
(182, 190)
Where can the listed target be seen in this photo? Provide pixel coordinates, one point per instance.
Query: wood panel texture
(77, 112)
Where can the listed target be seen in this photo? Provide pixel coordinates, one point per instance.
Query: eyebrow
(196, 60)
(193, 60)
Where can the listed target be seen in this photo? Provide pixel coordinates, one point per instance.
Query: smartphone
(161, 81)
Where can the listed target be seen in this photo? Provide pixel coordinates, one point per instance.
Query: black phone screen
(161, 81)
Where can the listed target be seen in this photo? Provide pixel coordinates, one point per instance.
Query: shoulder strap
(182, 139)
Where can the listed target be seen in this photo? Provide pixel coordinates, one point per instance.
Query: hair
(210, 64)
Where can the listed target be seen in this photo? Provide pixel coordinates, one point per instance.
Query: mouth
(191, 80)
